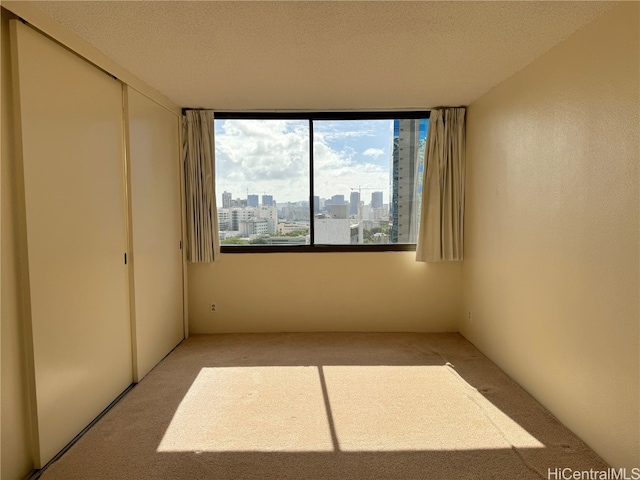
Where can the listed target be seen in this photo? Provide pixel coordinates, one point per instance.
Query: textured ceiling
(323, 54)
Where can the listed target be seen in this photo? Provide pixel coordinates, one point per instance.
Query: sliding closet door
(71, 126)
(154, 163)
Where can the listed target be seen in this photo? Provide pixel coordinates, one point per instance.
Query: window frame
(311, 116)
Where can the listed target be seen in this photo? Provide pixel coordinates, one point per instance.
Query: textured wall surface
(551, 272)
(324, 292)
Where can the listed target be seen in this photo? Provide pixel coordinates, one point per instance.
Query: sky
(272, 157)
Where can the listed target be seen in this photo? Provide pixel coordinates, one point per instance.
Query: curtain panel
(440, 235)
(203, 245)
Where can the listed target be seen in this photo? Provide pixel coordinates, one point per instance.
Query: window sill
(408, 247)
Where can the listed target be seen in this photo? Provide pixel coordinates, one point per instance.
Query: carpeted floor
(325, 406)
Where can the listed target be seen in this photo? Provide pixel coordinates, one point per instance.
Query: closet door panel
(71, 129)
(154, 160)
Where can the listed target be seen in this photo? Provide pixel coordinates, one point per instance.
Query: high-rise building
(237, 215)
(316, 204)
(376, 200)
(271, 215)
(253, 226)
(408, 150)
(252, 200)
(267, 200)
(226, 200)
(354, 203)
(224, 219)
(337, 200)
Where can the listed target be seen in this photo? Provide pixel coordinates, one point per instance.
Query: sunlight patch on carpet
(330, 408)
(251, 409)
(410, 408)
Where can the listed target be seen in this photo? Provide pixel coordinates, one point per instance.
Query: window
(319, 181)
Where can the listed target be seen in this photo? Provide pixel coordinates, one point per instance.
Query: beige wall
(384, 291)
(551, 272)
(15, 441)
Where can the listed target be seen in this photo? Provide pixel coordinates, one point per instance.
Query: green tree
(295, 233)
(369, 233)
(234, 241)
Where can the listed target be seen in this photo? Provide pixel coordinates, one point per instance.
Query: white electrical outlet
(213, 308)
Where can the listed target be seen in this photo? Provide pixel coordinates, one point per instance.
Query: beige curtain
(440, 237)
(203, 245)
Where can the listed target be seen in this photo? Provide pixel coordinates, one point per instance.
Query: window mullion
(312, 241)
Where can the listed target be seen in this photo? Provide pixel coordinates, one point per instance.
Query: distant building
(338, 211)
(284, 228)
(354, 203)
(224, 219)
(355, 234)
(235, 216)
(269, 213)
(337, 200)
(369, 224)
(267, 200)
(254, 226)
(252, 200)
(316, 205)
(294, 211)
(380, 214)
(366, 212)
(376, 200)
(226, 200)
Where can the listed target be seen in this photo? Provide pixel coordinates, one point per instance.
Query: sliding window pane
(367, 180)
(262, 181)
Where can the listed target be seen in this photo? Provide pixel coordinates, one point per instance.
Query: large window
(316, 181)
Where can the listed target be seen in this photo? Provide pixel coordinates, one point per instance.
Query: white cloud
(373, 152)
(272, 157)
(261, 157)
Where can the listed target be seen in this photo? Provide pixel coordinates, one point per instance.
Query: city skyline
(250, 202)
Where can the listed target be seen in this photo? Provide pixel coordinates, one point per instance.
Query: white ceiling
(326, 55)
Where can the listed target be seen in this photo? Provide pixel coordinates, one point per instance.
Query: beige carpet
(325, 406)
